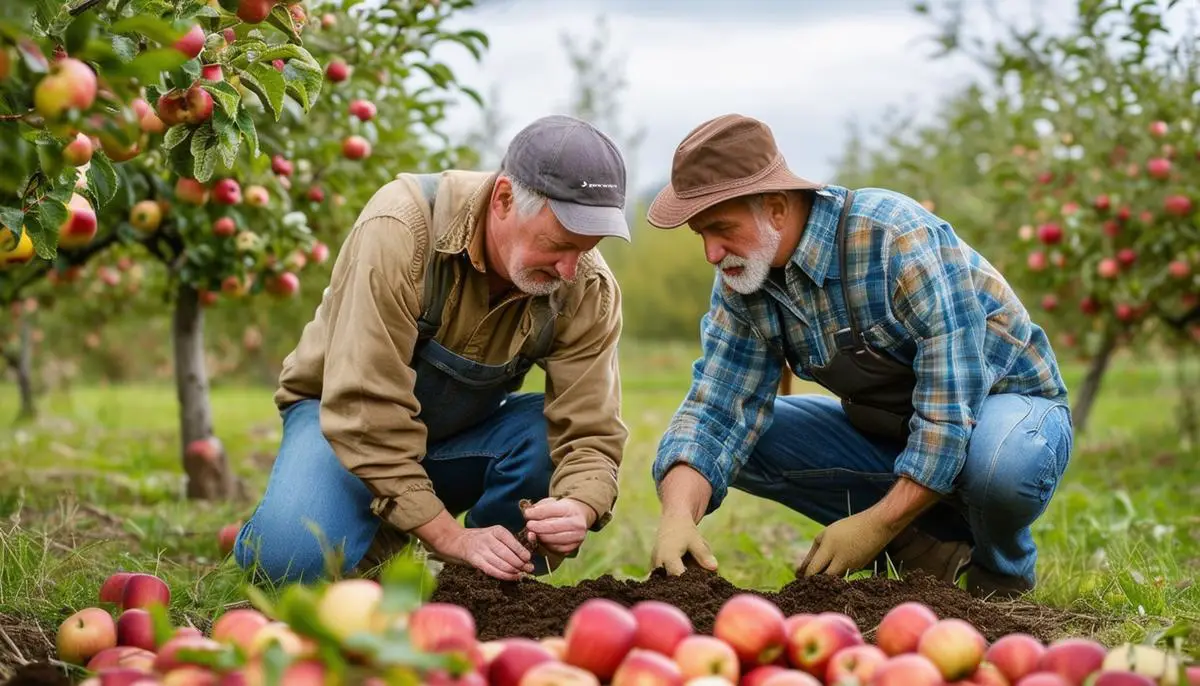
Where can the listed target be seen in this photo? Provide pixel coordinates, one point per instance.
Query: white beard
(523, 280)
(757, 265)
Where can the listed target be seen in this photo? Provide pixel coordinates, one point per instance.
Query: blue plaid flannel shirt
(919, 292)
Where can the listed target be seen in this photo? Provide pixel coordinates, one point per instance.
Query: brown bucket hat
(723, 158)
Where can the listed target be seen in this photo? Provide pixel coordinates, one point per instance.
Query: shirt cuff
(408, 510)
(598, 494)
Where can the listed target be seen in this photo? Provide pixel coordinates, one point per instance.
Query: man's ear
(775, 207)
(502, 198)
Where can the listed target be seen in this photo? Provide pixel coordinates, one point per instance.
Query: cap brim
(590, 220)
(669, 211)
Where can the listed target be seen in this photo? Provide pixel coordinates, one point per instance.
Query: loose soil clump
(533, 609)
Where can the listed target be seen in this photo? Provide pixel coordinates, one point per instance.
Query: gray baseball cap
(579, 170)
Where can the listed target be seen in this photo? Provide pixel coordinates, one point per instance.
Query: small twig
(13, 117)
(102, 514)
(13, 647)
(83, 7)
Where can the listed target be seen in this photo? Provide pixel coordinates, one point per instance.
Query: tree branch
(74, 258)
(83, 7)
(1192, 315)
(11, 359)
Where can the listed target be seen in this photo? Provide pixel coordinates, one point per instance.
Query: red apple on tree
(79, 228)
(191, 43)
(1177, 205)
(1179, 269)
(1108, 268)
(1158, 128)
(191, 106)
(1050, 233)
(212, 72)
(356, 147)
(227, 192)
(285, 284)
(281, 165)
(79, 151)
(257, 196)
(754, 626)
(1126, 257)
(145, 216)
(363, 109)
(337, 71)
(254, 11)
(224, 227)
(1158, 167)
(70, 85)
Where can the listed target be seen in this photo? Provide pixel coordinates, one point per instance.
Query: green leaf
(304, 83)
(154, 7)
(152, 27)
(12, 217)
(124, 47)
(280, 19)
(287, 51)
(204, 150)
(226, 96)
(245, 51)
(176, 135)
(149, 65)
(406, 584)
(227, 137)
(245, 124)
(42, 223)
(102, 179)
(161, 623)
(79, 31)
(268, 85)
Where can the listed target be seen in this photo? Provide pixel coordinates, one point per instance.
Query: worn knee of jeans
(282, 552)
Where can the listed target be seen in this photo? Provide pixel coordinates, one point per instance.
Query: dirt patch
(24, 651)
(534, 609)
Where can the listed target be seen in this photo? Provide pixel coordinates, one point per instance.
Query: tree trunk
(1091, 383)
(24, 369)
(1189, 417)
(204, 461)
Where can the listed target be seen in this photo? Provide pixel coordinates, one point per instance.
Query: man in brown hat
(950, 428)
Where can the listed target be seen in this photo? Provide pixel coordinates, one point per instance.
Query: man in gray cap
(399, 404)
(946, 428)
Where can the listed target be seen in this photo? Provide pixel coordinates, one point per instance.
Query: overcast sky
(806, 67)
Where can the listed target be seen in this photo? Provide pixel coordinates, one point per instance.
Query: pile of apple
(652, 643)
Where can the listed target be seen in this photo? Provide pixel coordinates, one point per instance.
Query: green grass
(95, 486)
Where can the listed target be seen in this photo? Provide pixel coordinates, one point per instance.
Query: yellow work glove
(847, 545)
(678, 536)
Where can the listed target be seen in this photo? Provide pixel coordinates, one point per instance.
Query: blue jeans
(484, 471)
(814, 461)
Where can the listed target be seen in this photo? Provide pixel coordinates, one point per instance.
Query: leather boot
(984, 583)
(388, 542)
(912, 550)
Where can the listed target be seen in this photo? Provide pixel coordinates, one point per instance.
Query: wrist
(443, 534)
(589, 514)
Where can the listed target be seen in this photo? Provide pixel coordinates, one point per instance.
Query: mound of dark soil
(534, 609)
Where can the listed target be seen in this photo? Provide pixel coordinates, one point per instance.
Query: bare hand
(559, 524)
(494, 551)
(678, 536)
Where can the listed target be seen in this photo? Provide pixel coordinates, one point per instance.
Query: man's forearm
(685, 491)
(904, 502)
(440, 532)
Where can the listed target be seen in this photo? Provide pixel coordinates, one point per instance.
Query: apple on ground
(1145, 660)
(350, 606)
(854, 665)
(754, 626)
(144, 590)
(812, 646)
(701, 655)
(516, 657)
(84, 634)
(1122, 679)
(114, 587)
(907, 669)
(227, 536)
(791, 677)
(757, 675)
(168, 657)
(1015, 655)
(986, 675)
(1073, 659)
(432, 622)
(555, 673)
(902, 626)
(599, 634)
(122, 676)
(135, 628)
(645, 667)
(239, 627)
(954, 646)
(660, 626)
(276, 632)
(1042, 679)
(555, 644)
(122, 656)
